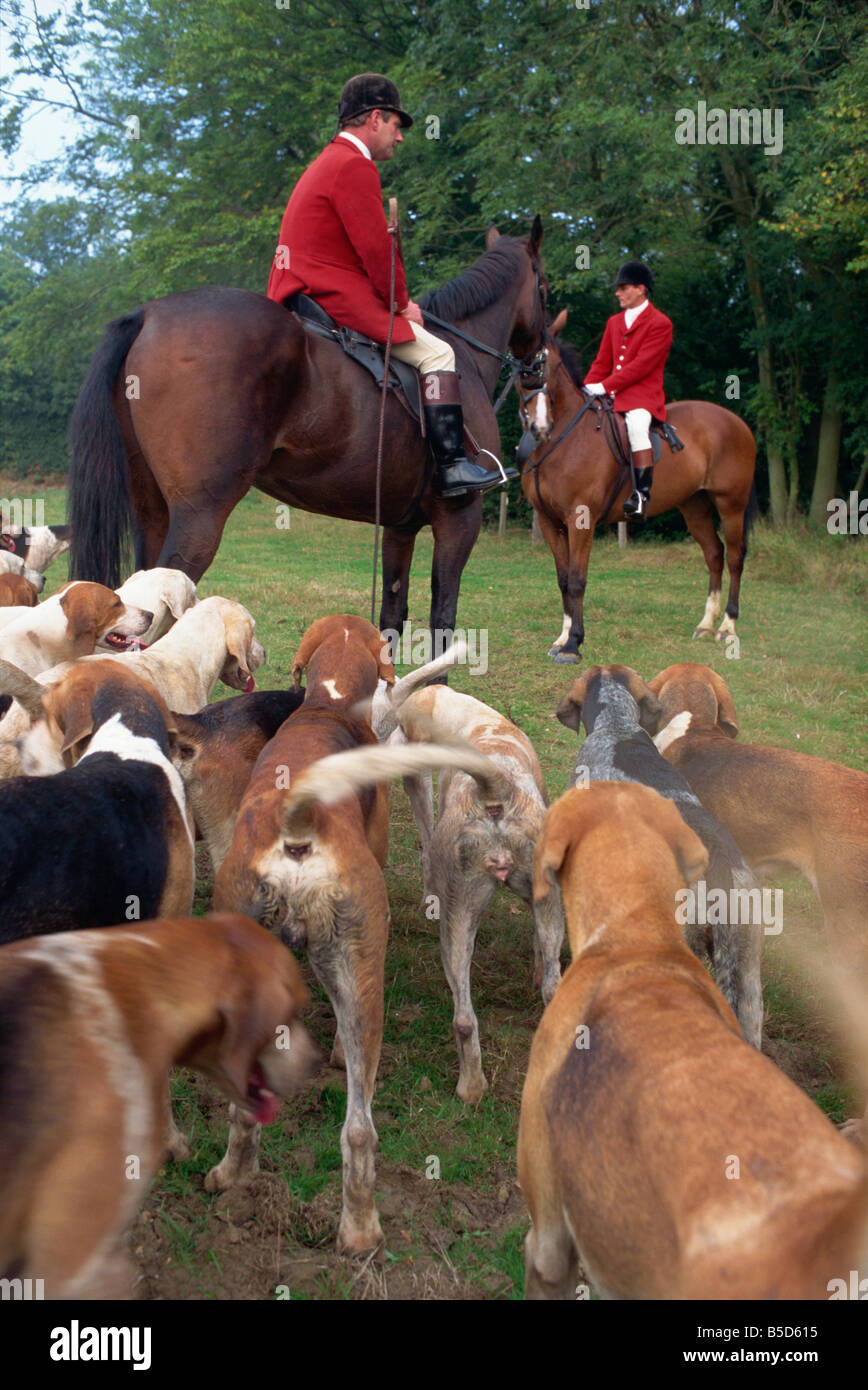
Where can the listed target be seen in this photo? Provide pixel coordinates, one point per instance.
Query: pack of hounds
(646, 1077)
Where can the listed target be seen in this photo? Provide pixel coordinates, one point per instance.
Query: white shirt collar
(631, 315)
(348, 135)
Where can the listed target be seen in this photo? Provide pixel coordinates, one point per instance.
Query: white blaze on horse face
(541, 415)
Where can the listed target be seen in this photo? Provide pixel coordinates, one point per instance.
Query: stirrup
(506, 474)
(636, 506)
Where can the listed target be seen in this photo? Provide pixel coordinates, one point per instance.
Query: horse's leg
(732, 522)
(196, 528)
(559, 546)
(580, 535)
(699, 515)
(149, 515)
(397, 556)
(455, 533)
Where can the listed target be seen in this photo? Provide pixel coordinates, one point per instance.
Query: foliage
(197, 118)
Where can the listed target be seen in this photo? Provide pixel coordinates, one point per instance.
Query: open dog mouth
(119, 642)
(263, 1104)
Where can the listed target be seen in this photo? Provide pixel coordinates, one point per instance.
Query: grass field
(799, 681)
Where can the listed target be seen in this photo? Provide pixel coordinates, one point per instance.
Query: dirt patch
(260, 1242)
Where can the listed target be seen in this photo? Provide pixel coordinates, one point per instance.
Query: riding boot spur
(444, 420)
(636, 505)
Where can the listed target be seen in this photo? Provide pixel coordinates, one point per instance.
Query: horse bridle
(602, 406)
(533, 363)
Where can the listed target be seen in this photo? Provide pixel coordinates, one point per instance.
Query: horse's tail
(99, 489)
(751, 513)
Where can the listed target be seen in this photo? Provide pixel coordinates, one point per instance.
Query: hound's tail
(345, 774)
(387, 702)
(22, 687)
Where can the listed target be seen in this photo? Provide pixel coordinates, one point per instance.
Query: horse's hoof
(554, 651)
(703, 632)
(563, 658)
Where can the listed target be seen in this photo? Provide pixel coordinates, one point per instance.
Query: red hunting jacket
(339, 249)
(631, 360)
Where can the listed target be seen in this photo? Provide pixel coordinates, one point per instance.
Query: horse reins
(393, 232)
(601, 406)
(517, 367)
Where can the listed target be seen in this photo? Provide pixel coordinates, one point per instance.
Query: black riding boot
(444, 420)
(636, 505)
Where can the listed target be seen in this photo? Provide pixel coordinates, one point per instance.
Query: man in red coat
(335, 247)
(629, 367)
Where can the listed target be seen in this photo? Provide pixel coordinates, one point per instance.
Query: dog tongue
(249, 685)
(267, 1109)
(136, 646)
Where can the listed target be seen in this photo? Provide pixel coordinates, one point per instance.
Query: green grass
(798, 681)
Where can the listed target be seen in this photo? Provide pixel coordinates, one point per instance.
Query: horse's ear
(491, 236)
(536, 235)
(559, 324)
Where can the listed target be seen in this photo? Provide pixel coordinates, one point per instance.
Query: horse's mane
(570, 358)
(476, 288)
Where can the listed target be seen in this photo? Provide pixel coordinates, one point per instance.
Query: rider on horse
(335, 247)
(629, 367)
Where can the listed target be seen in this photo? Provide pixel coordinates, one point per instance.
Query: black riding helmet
(370, 91)
(635, 273)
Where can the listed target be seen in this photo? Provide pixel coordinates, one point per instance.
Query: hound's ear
(239, 643)
(727, 719)
(536, 235)
(563, 827)
(73, 715)
(181, 597)
(491, 236)
(79, 609)
(308, 645)
(569, 711)
(381, 649)
(690, 853)
(650, 708)
(559, 324)
(250, 1020)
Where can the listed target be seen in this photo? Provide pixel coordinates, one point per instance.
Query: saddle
(403, 379)
(619, 441)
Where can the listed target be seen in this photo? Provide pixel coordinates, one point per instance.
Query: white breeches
(638, 421)
(428, 354)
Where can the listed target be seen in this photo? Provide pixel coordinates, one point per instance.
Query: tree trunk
(746, 219)
(828, 451)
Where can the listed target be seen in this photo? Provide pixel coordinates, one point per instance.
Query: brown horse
(197, 397)
(575, 482)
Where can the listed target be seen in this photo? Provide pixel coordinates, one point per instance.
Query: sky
(45, 132)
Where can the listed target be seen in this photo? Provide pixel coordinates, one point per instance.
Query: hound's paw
(855, 1131)
(362, 1238)
(225, 1175)
(177, 1147)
